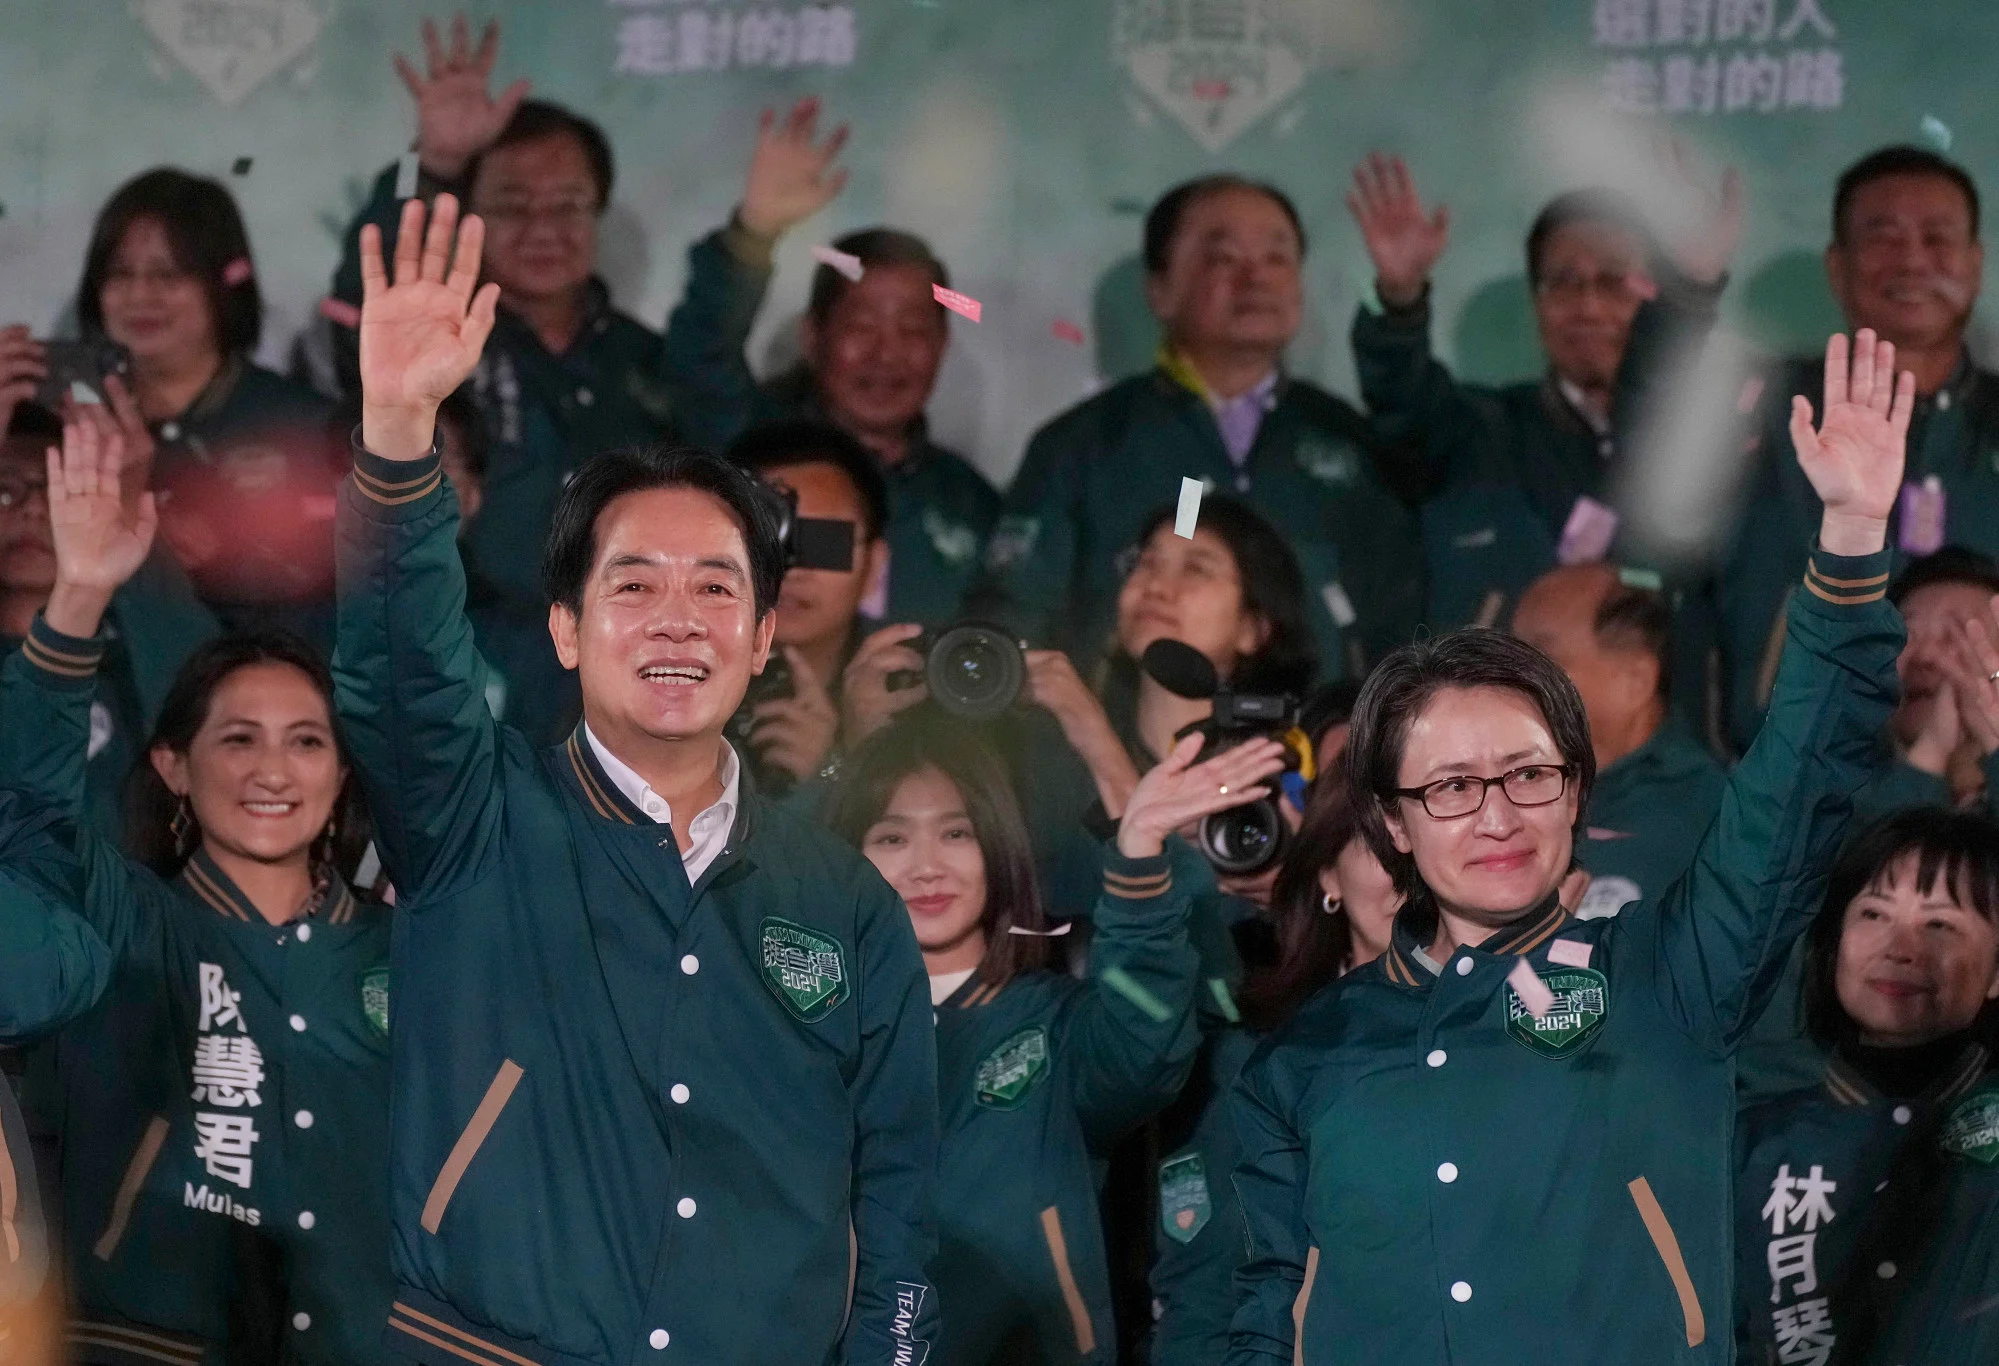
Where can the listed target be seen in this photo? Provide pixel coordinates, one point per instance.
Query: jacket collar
(973, 992)
(208, 884)
(1846, 1086)
(1415, 928)
(577, 766)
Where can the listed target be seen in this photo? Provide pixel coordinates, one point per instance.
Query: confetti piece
(339, 311)
(1211, 90)
(406, 176)
(1921, 527)
(1067, 331)
(1604, 832)
(1190, 509)
(242, 166)
(1055, 933)
(962, 304)
(1125, 985)
(1130, 208)
(1224, 1000)
(1489, 608)
(1632, 576)
(1570, 953)
(1936, 132)
(849, 266)
(1339, 604)
(1752, 390)
(1532, 991)
(237, 271)
(79, 392)
(1587, 535)
(370, 867)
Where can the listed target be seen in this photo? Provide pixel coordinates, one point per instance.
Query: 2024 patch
(1005, 1075)
(1973, 1127)
(805, 969)
(375, 998)
(1582, 999)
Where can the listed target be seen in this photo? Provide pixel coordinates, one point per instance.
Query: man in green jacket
(1524, 476)
(566, 374)
(1657, 788)
(665, 1085)
(1223, 262)
(1905, 259)
(871, 342)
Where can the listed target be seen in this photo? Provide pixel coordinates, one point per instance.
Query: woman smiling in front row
(1507, 1139)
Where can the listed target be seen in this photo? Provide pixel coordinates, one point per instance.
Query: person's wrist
(1400, 292)
(1852, 534)
(76, 609)
(759, 222)
(398, 433)
(1135, 841)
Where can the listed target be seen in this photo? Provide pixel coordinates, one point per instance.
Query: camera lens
(975, 671)
(1245, 840)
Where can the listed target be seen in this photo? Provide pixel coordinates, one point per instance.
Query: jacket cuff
(1376, 312)
(62, 659)
(746, 247)
(1136, 879)
(392, 490)
(1834, 581)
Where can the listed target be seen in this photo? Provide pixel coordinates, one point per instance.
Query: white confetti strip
(1532, 991)
(406, 176)
(1190, 509)
(848, 265)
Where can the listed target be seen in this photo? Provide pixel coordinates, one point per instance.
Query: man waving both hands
(665, 1084)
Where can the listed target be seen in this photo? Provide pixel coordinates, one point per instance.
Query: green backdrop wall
(1023, 137)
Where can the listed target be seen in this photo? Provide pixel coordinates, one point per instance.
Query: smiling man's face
(667, 635)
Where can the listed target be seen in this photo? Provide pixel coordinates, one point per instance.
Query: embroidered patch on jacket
(375, 997)
(1973, 1127)
(1008, 1073)
(1581, 999)
(1327, 463)
(957, 545)
(1184, 1206)
(805, 969)
(1012, 540)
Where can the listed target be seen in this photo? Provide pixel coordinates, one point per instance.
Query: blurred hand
(1178, 791)
(137, 469)
(796, 733)
(22, 367)
(101, 538)
(791, 177)
(1702, 250)
(1969, 659)
(1054, 684)
(1403, 241)
(457, 118)
(866, 703)
(1854, 459)
(421, 335)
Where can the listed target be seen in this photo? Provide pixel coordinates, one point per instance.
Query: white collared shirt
(944, 985)
(708, 832)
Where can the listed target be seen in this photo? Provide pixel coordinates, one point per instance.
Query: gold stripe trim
(428, 484)
(1541, 934)
(467, 1146)
(1877, 581)
(592, 789)
(398, 485)
(63, 666)
(1668, 1247)
(212, 891)
(138, 1341)
(1298, 1306)
(1079, 1312)
(143, 1157)
(413, 1331)
(1861, 601)
(152, 1354)
(1138, 879)
(1140, 891)
(492, 1347)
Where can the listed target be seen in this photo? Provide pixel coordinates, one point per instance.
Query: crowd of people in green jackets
(1611, 973)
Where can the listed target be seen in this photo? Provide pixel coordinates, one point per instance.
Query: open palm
(1403, 241)
(792, 175)
(457, 117)
(1854, 459)
(101, 538)
(422, 333)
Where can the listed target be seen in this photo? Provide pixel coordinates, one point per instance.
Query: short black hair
(872, 247)
(460, 412)
(1893, 161)
(1403, 683)
(572, 531)
(534, 120)
(1952, 564)
(1632, 617)
(1960, 848)
(809, 441)
(1162, 221)
(206, 236)
(1592, 205)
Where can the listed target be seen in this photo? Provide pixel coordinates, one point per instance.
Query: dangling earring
(1329, 903)
(181, 826)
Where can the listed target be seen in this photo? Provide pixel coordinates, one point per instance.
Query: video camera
(1246, 839)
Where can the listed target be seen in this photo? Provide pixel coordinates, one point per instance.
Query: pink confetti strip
(1920, 530)
(237, 271)
(964, 305)
(1587, 535)
(1570, 953)
(339, 311)
(1067, 331)
(1532, 991)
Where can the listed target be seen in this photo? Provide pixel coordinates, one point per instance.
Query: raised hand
(1969, 658)
(457, 117)
(867, 703)
(420, 335)
(791, 176)
(1854, 459)
(1178, 791)
(1702, 244)
(796, 733)
(1403, 241)
(101, 536)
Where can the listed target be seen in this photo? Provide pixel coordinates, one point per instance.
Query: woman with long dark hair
(1513, 1123)
(1331, 910)
(1038, 1073)
(1867, 1207)
(225, 1118)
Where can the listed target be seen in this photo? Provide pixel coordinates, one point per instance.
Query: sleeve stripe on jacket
(1138, 888)
(59, 654)
(391, 493)
(1846, 592)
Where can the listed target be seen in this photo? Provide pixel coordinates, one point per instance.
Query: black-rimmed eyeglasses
(1464, 794)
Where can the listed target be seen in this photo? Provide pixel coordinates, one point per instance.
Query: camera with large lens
(974, 669)
(1246, 839)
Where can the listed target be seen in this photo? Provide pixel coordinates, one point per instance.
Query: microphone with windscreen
(1180, 669)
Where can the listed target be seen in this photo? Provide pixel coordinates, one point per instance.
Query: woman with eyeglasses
(1508, 1138)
